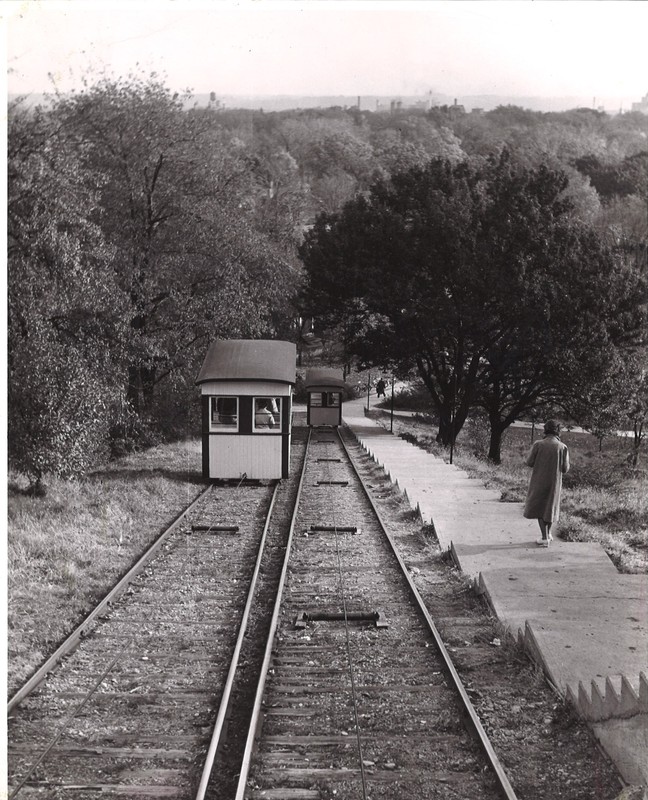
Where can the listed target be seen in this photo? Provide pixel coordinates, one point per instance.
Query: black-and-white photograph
(326, 400)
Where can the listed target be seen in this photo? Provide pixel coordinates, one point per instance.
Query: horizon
(593, 50)
(380, 102)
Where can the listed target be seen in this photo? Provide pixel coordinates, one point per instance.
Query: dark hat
(552, 426)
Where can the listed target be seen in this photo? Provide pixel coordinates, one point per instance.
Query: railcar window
(333, 399)
(325, 399)
(223, 414)
(267, 414)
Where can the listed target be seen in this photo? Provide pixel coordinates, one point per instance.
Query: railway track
(130, 706)
(360, 698)
(326, 679)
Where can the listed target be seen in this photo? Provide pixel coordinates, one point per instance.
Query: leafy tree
(475, 274)
(619, 399)
(628, 177)
(334, 157)
(180, 202)
(638, 416)
(65, 333)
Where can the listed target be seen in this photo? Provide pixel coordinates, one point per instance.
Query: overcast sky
(550, 48)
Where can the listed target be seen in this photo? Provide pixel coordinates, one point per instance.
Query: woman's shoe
(543, 542)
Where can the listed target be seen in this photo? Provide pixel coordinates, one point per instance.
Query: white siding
(257, 456)
(254, 388)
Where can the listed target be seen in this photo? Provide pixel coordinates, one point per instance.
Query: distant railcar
(325, 389)
(246, 387)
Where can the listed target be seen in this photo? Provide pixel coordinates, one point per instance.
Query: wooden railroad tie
(332, 483)
(334, 529)
(335, 460)
(251, 483)
(302, 619)
(215, 528)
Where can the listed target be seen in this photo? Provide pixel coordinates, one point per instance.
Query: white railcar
(246, 387)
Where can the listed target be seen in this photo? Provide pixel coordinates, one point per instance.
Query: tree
(180, 204)
(618, 400)
(64, 306)
(637, 412)
(477, 275)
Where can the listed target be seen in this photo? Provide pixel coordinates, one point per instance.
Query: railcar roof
(249, 359)
(324, 378)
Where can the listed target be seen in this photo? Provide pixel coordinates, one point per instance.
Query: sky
(591, 49)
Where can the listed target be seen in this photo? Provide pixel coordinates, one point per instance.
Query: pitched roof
(324, 379)
(249, 359)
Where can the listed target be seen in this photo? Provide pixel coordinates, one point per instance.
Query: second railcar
(325, 389)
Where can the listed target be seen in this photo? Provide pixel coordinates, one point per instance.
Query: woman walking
(549, 458)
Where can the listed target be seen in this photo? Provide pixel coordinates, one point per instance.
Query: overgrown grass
(65, 550)
(604, 499)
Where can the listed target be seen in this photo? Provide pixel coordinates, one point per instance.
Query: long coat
(549, 458)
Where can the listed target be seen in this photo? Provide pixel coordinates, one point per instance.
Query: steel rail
(256, 710)
(227, 691)
(73, 639)
(347, 616)
(63, 727)
(503, 781)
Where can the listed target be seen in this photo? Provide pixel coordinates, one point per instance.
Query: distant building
(455, 111)
(642, 106)
(398, 105)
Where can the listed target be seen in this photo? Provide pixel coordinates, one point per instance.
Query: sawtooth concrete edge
(616, 697)
(623, 739)
(394, 481)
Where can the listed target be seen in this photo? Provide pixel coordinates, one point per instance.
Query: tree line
(473, 249)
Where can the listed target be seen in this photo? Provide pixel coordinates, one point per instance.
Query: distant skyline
(593, 51)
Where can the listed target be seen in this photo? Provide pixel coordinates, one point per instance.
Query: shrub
(58, 420)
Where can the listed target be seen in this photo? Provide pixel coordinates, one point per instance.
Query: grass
(604, 500)
(65, 550)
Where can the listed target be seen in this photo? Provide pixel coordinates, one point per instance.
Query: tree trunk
(497, 429)
(444, 436)
(638, 435)
(37, 488)
(148, 375)
(447, 430)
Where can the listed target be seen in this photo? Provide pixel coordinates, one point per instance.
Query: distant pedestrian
(549, 458)
(380, 388)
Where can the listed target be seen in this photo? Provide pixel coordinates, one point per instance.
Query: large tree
(477, 275)
(179, 202)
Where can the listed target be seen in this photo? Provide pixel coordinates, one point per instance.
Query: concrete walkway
(583, 621)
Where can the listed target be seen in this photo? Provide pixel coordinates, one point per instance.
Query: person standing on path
(549, 458)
